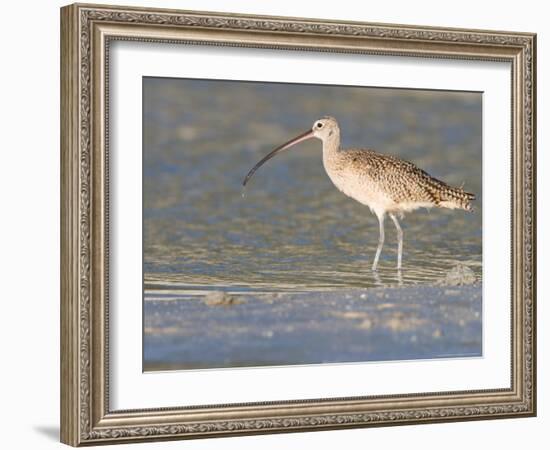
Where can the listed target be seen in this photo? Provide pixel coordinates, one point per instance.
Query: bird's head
(325, 128)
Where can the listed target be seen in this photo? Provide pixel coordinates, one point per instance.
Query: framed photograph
(275, 224)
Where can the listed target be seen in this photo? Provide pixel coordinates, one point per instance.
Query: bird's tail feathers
(457, 198)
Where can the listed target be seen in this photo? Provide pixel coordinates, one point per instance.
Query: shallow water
(342, 326)
(293, 230)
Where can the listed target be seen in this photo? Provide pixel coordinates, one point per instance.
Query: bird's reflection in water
(377, 279)
(390, 280)
(399, 277)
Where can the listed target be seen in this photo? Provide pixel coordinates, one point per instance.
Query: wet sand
(220, 330)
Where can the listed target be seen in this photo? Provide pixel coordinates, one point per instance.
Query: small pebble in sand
(459, 275)
(219, 298)
(366, 324)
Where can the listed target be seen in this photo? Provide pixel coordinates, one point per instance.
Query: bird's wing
(401, 180)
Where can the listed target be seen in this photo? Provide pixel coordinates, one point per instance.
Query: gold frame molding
(86, 32)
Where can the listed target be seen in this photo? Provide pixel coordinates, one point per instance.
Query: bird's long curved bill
(302, 137)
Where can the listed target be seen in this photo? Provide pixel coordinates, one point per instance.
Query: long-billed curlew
(384, 183)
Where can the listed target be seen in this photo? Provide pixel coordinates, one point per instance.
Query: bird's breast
(358, 185)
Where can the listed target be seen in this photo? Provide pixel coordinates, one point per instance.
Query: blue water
(293, 230)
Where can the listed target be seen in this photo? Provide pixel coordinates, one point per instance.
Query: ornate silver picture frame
(87, 34)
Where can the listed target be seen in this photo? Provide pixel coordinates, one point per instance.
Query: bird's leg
(399, 240)
(380, 241)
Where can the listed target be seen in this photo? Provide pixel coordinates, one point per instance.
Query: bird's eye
(319, 125)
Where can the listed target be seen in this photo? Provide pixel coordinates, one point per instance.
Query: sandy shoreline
(346, 325)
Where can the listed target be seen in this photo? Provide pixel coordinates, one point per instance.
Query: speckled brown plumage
(401, 180)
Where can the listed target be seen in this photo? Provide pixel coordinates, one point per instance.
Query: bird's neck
(331, 144)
